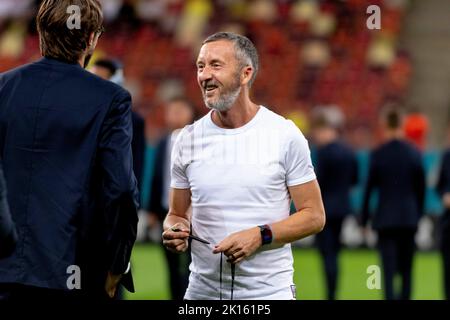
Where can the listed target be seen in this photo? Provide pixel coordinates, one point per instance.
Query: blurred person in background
(396, 172)
(8, 234)
(337, 171)
(443, 188)
(240, 188)
(112, 70)
(65, 140)
(178, 113)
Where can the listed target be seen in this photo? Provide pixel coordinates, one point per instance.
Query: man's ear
(247, 73)
(91, 39)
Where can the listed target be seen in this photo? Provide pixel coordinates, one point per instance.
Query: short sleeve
(298, 164)
(178, 177)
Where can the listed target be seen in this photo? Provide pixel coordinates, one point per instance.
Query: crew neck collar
(240, 129)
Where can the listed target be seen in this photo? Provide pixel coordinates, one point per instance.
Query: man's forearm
(303, 223)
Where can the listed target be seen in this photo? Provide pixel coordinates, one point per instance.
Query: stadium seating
(312, 52)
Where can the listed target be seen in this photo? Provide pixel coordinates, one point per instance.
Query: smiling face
(219, 74)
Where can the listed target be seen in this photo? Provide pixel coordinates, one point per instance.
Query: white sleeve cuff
(128, 268)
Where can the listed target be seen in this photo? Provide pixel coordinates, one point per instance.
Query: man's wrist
(266, 234)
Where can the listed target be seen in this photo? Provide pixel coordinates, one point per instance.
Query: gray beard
(225, 101)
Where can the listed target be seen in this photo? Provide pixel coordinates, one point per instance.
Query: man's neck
(394, 134)
(81, 61)
(328, 137)
(237, 116)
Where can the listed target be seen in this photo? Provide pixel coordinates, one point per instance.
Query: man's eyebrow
(210, 62)
(216, 61)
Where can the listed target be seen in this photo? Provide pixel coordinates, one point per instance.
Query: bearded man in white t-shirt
(239, 167)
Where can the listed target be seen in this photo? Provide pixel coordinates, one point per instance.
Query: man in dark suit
(65, 140)
(178, 113)
(8, 235)
(337, 172)
(397, 173)
(443, 189)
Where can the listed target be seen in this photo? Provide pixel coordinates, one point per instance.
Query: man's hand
(240, 245)
(176, 238)
(112, 280)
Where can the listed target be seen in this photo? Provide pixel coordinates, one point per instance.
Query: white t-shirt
(239, 179)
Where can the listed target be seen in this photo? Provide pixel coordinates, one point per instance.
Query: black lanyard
(233, 272)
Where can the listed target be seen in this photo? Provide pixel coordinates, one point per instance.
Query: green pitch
(151, 279)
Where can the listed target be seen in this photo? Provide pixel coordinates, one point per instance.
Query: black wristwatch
(266, 234)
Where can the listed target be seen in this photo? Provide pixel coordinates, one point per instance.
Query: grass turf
(151, 278)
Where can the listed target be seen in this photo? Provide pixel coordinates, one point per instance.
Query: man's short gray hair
(246, 52)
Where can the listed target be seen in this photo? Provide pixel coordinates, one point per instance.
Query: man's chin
(210, 104)
(221, 103)
(216, 107)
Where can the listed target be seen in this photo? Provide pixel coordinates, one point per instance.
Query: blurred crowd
(312, 52)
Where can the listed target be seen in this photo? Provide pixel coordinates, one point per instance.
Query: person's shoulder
(77, 76)
(379, 150)
(277, 121)
(185, 133)
(389, 145)
(105, 87)
(198, 125)
(191, 132)
(86, 81)
(411, 148)
(273, 117)
(345, 147)
(406, 148)
(13, 73)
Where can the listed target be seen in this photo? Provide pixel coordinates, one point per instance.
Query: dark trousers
(396, 247)
(178, 265)
(445, 252)
(19, 292)
(328, 242)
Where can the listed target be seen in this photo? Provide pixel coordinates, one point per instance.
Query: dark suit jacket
(65, 140)
(157, 184)
(397, 173)
(8, 235)
(138, 146)
(337, 172)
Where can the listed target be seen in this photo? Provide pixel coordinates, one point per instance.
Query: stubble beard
(225, 100)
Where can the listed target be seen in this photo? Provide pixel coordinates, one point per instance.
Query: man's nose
(204, 74)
